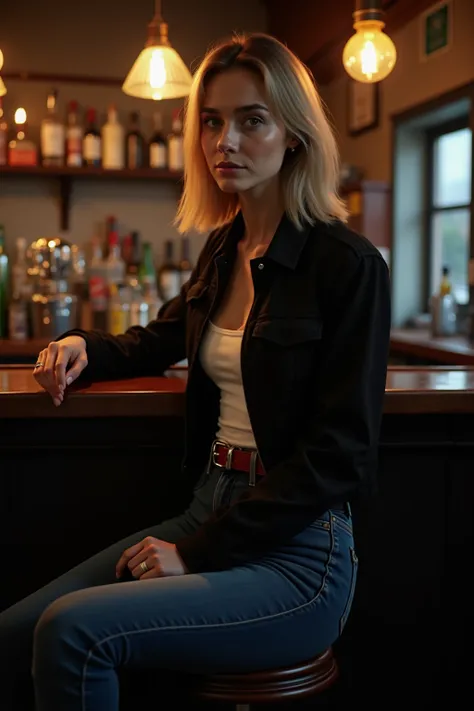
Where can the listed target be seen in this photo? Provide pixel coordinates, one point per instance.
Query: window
(449, 206)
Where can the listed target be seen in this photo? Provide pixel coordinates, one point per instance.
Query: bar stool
(270, 686)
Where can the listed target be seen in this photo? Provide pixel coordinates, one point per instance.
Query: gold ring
(39, 364)
(144, 567)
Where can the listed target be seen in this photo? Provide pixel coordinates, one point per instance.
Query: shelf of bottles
(77, 146)
(51, 286)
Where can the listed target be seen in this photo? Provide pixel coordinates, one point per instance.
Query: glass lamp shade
(370, 55)
(3, 88)
(158, 73)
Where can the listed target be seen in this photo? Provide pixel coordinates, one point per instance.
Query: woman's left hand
(151, 558)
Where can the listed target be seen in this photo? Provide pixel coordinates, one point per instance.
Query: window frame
(432, 135)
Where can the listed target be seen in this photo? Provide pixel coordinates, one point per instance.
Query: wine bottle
(169, 275)
(92, 144)
(53, 134)
(113, 157)
(135, 143)
(157, 144)
(74, 136)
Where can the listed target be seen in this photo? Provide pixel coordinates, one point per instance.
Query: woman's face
(243, 143)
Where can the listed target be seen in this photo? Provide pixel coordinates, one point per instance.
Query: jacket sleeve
(141, 350)
(337, 453)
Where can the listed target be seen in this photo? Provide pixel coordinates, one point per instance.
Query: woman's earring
(292, 149)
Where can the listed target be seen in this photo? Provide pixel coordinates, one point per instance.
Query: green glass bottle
(147, 271)
(3, 285)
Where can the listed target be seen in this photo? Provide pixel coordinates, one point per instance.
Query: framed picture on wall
(363, 106)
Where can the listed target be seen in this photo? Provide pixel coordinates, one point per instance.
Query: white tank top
(220, 359)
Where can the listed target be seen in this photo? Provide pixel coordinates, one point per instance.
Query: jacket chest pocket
(289, 333)
(289, 346)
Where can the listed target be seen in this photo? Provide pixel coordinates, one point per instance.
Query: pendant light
(370, 55)
(159, 72)
(3, 88)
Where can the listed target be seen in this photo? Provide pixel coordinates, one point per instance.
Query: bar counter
(419, 346)
(106, 463)
(409, 390)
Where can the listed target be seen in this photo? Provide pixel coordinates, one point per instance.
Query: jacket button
(261, 266)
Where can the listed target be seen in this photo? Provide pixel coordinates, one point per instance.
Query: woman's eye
(210, 121)
(253, 121)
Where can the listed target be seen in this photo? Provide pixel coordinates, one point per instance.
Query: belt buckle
(230, 452)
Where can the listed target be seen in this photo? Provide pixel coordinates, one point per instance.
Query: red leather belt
(238, 459)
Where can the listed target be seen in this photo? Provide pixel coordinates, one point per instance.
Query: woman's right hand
(60, 364)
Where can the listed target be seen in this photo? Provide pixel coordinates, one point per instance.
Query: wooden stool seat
(273, 685)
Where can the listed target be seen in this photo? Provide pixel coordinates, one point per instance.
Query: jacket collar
(285, 248)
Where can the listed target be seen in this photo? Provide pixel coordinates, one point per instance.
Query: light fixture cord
(158, 8)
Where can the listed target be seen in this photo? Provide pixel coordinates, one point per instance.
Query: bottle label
(113, 158)
(52, 140)
(176, 155)
(170, 284)
(74, 146)
(135, 153)
(91, 147)
(98, 293)
(157, 155)
(119, 319)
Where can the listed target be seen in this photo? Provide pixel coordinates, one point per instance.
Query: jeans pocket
(223, 491)
(352, 585)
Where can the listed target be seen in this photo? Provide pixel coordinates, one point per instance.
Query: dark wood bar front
(107, 463)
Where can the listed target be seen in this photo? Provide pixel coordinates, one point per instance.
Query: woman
(285, 324)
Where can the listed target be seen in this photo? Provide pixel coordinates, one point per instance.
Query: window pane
(450, 247)
(452, 168)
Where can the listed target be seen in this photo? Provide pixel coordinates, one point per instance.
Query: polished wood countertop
(421, 344)
(409, 390)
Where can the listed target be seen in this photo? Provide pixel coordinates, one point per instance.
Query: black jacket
(314, 360)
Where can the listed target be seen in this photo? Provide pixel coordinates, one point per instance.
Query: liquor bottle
(98, 296)
(21, 150)
(18, 326)
(157, 146)
(185, 266)
(147, 272)
(175, 143)
(3, 136)
(145, 302)
(131, 254)
(115, 265)
(52, 133)
(443, 308)
(74, 136)
(113, 157)
(19, 271)
(169, 275)
(91, 145)
(135, 143)
(445, 286)
(4, 274)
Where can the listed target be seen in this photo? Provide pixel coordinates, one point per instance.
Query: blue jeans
(80, 629)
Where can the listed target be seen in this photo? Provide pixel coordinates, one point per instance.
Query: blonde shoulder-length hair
(310, 175)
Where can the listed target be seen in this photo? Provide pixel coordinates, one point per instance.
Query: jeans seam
(217, 624)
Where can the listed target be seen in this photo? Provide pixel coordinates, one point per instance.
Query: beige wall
(412, 82)
(102, 38)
